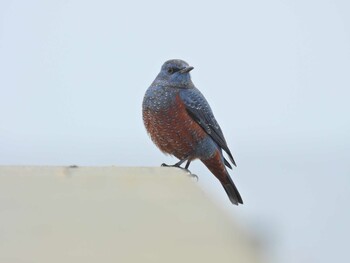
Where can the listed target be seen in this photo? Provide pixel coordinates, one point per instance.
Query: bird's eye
(170, 70)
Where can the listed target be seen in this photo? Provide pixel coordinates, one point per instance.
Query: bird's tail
(232, 191)
(216, 165)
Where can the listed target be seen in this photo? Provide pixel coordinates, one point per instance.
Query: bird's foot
(170, 165)
(193, 176)
(188, 172)
(176, 166)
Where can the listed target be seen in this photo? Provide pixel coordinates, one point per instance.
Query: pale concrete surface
(112, 214)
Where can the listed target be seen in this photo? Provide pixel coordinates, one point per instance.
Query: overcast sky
(276, 73)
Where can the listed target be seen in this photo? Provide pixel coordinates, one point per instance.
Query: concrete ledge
(113, 214)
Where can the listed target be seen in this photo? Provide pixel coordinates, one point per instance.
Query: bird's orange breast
(173, 130)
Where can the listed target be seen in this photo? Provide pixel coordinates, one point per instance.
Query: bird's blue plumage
(181, 123)
(199, 109)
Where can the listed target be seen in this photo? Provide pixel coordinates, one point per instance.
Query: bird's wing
(199, 110)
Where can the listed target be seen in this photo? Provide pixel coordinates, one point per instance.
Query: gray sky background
(276, 73)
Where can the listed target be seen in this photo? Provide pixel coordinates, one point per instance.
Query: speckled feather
(180, 122)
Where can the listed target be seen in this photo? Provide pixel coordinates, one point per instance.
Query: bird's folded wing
(199, 110)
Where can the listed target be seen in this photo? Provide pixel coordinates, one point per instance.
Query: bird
(181, 123)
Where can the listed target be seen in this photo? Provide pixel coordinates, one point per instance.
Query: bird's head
(176, 73)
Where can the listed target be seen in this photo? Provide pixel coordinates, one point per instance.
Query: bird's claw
(167, 165)
(188, 172)
(193, 176)
(176, 166)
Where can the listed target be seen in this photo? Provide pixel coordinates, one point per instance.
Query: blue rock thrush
(181, 123)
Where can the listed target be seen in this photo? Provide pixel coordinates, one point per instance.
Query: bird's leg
(177, 165)
(187, 164)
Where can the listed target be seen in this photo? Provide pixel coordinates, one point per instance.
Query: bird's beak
(186, 70)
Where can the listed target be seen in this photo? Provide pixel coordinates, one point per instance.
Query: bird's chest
(170, 126)
(162, 112)
(158, 99)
